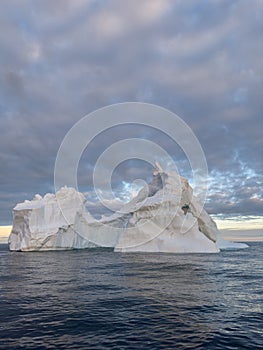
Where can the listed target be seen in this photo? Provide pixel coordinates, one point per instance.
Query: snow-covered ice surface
(152, 222)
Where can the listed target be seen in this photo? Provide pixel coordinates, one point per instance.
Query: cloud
(62, 59)
(239, 192)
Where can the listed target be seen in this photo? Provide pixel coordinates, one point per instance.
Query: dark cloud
(201, 59)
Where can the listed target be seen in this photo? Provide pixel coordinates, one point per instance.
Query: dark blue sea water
(97, 299)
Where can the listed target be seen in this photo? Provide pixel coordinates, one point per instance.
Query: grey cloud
(62, 59)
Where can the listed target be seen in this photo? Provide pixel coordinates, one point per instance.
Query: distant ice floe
(223, 244)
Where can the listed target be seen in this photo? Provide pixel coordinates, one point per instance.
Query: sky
(202, 60)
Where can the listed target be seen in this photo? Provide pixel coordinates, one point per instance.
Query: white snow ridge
(163, 217)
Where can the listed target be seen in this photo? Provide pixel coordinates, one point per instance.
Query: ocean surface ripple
(98, 299)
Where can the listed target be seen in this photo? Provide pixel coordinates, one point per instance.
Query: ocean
(98, 299)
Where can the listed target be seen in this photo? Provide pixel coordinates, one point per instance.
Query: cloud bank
(200, 59)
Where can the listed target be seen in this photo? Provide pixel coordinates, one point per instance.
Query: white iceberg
(163, 217)
(47, 223)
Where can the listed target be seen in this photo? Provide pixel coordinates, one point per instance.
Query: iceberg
(47, 223)
(165, 216)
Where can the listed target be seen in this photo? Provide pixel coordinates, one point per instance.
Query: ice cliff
(153, 221)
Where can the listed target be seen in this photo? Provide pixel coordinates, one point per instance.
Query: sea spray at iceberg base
(165, 216)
